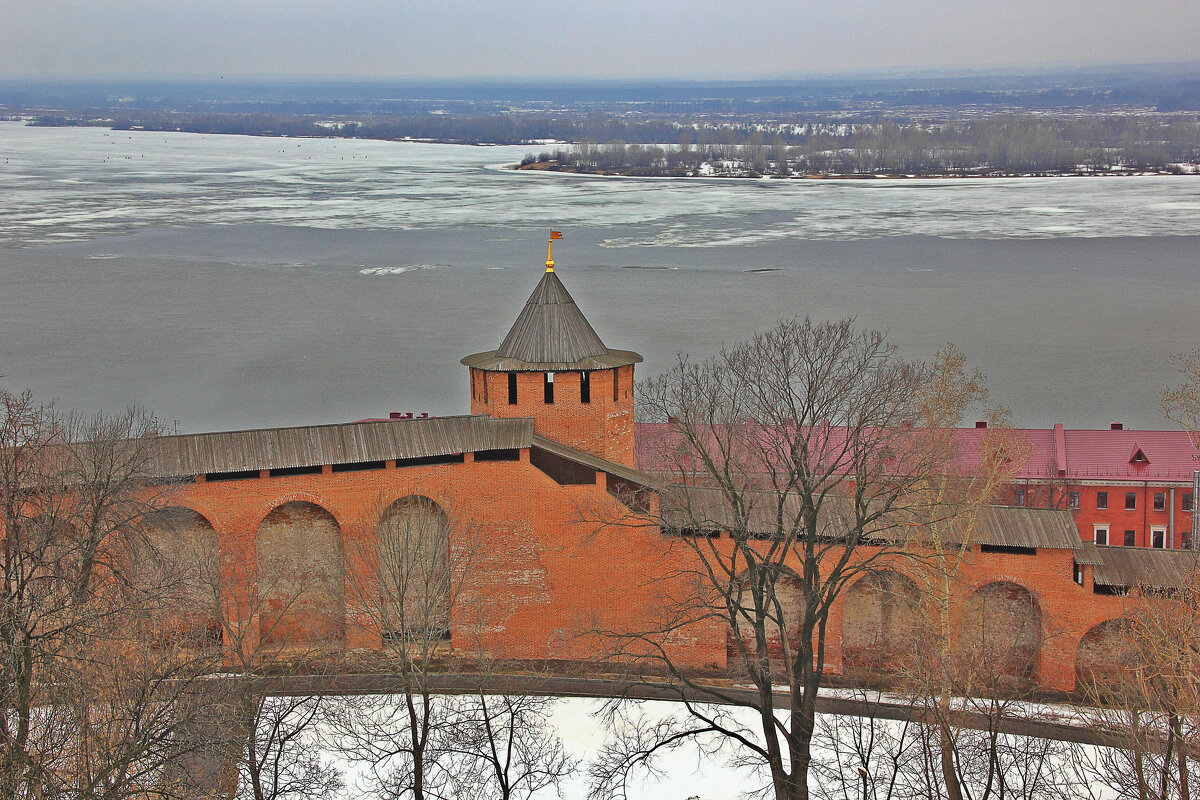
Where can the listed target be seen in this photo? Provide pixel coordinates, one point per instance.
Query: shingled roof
(551, 334)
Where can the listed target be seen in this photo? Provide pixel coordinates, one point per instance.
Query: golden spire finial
(550, 250)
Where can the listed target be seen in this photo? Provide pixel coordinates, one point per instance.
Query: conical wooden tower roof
(551, 328)
(551, 334)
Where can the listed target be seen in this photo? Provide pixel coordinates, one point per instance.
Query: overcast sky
(581, 38)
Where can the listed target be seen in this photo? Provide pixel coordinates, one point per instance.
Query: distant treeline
(1005, 143)
(482, 129)
(1010, 144)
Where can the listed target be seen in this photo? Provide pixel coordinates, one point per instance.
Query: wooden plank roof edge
(322, 425)
(270, 448)
(596, 462)
(490, 361)
(1144, 566)
(1004, 526)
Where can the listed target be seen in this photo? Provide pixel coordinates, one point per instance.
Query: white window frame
(1160, 530)
(1096, 531)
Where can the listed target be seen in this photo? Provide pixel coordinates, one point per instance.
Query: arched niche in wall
(1001, 635)
(413, 567)
(880, 622)
(783, 611)
(1103, 656)
(301, 578)
(180, 571)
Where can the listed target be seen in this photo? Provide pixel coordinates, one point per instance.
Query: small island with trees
(998, 146)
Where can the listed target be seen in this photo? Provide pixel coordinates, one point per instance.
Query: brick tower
(553, 367)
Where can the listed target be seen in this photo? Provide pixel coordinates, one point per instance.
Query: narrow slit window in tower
(616, 384)
(548, 382)
(512, 388)
(585, 387)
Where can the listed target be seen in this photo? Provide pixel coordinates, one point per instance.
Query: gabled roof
(551, 334)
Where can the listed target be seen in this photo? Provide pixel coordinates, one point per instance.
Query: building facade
(1125, 488)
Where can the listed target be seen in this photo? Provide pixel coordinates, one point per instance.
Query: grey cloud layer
(632, 38)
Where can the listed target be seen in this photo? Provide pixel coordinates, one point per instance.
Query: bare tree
(941, 666)
(1151, 695)
(266, 747)
(428, 566)
(93, 701)
(282, 760)
(507, 747)
(1181, 404)
(799, 461)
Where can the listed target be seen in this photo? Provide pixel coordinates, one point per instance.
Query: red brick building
(1125, 488)
(539, 475)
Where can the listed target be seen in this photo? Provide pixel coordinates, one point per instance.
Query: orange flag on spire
(550, 250)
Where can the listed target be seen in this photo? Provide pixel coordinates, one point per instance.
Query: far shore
(545, 167)
(637, 172)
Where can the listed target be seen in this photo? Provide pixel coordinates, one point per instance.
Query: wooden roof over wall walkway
(315, 445)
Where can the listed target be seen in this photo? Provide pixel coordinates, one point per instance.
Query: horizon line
(896, 72)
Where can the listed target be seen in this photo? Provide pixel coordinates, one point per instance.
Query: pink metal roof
(1054, 453)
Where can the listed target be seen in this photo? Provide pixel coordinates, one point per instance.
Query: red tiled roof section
(1088, 454)
(1170, 455)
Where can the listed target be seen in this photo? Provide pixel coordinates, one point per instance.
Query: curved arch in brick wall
(1000, 634)
(184, 566)
(301, 497)
(881, 621)
(790, 596)
(414, 565)
(1102, 657)
(301, 577)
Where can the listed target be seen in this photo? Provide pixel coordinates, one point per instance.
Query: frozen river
(227, 281)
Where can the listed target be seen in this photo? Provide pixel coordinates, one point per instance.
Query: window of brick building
(548, 384)
(1102, 534)
(1101, 500)
(616, 384)
(1187, 501)
(1129, 538)
(1018, 497)
(1073, 499)
(1130, 501)
(1160, 501)
(585, 387)
(1158, 537)
(512, 388)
